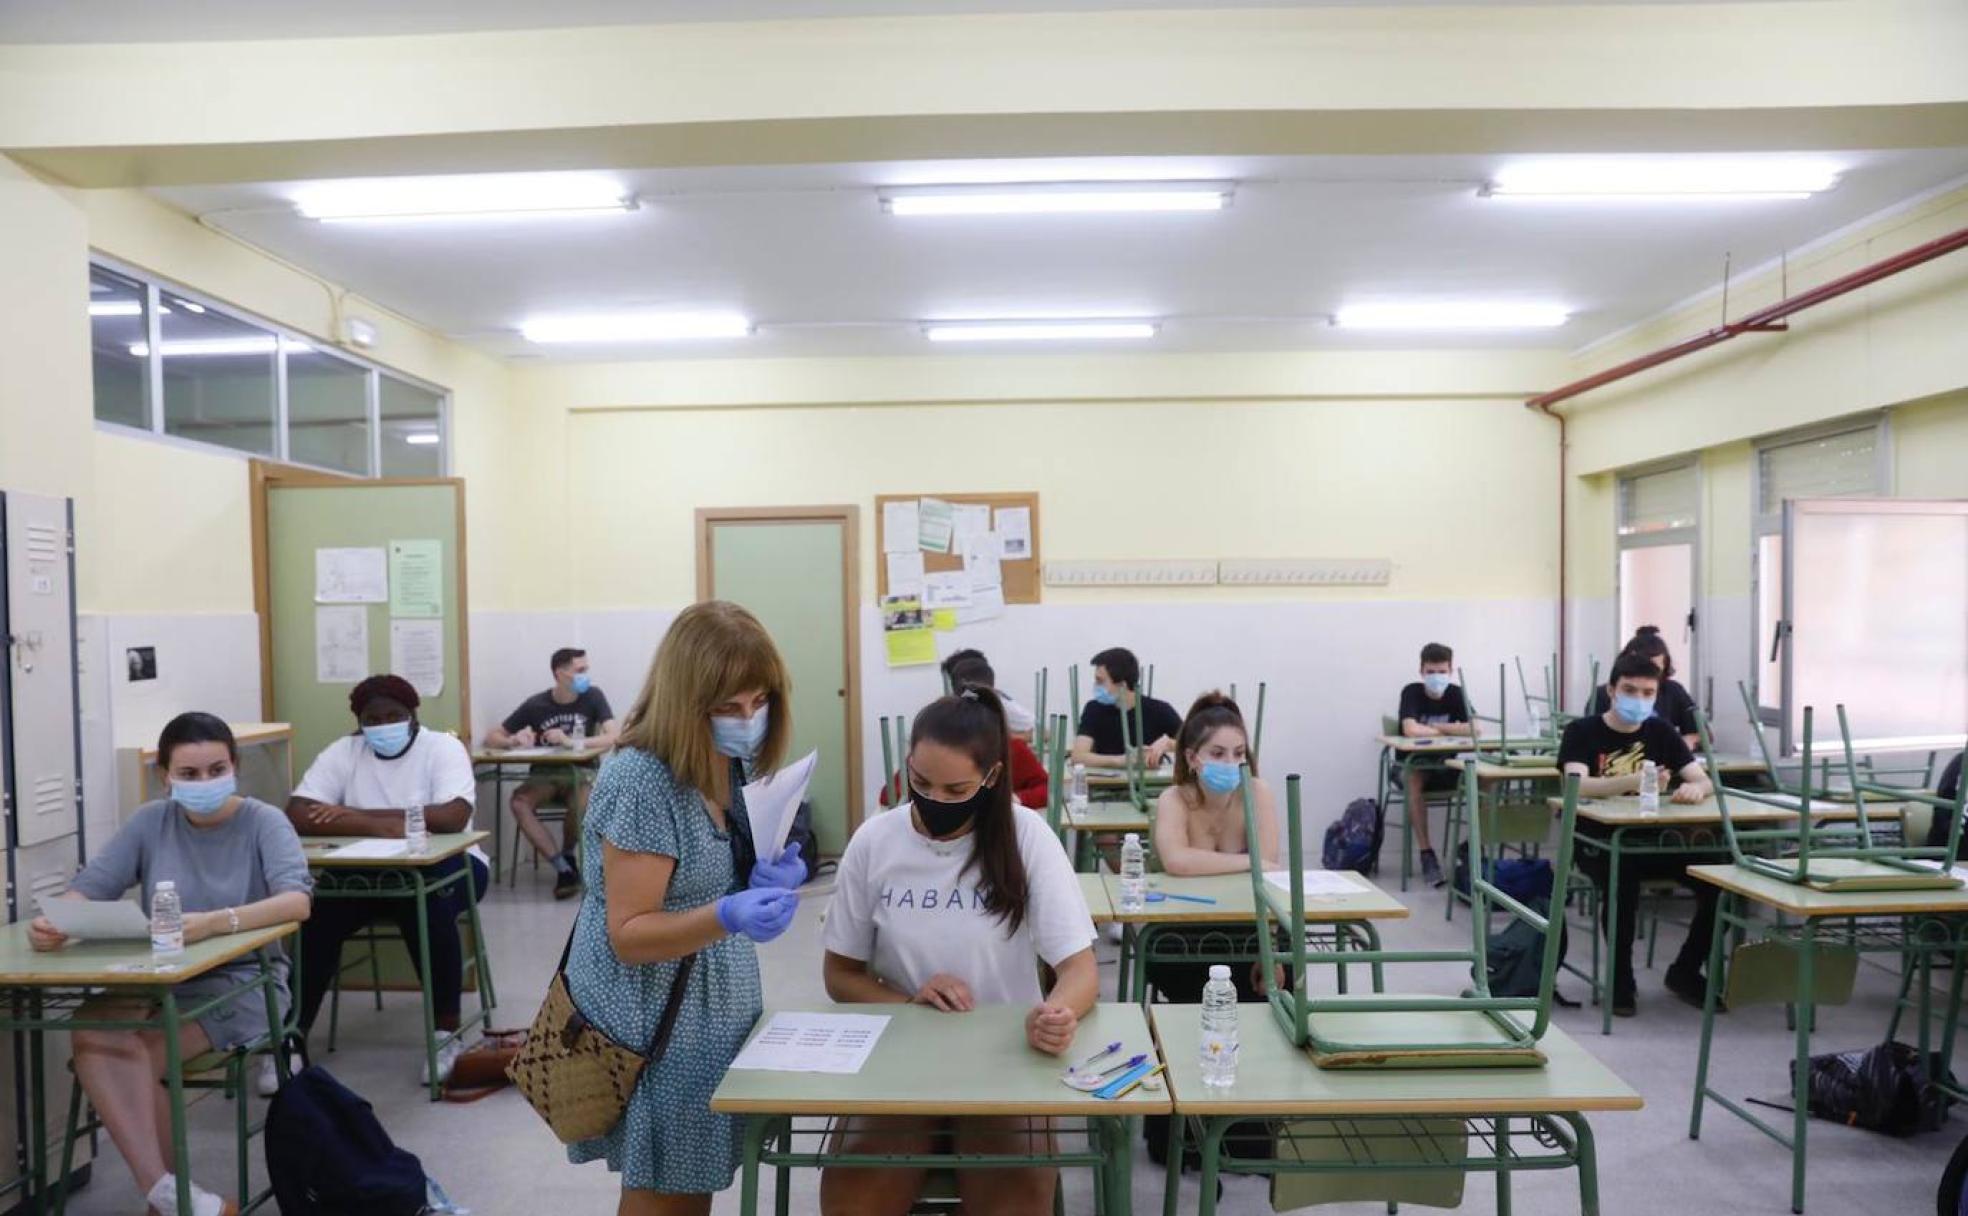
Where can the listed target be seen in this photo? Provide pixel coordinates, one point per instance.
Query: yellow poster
(910, 647)
(944, 619)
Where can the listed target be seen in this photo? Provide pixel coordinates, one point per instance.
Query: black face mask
(948, 818)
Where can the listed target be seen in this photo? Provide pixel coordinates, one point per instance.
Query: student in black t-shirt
(1674, 704)
(551, 719)
(1943, 821)
(1430, 707)
(1606, 751)
(1100, 742)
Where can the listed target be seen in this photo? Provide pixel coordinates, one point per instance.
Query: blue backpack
(328, 1156)
(1353, 842)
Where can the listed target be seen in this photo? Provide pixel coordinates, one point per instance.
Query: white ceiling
(808, 253)
(233, 20)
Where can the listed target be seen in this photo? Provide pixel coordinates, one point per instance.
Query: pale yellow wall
(44, 339)
(1930, 447)
(164, 530)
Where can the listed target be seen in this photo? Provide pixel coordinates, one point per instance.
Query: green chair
(1841, 858)
(895, 755)
(1377, 1030)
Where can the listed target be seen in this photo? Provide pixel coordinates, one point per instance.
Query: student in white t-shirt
(954, 900)
(359, 786)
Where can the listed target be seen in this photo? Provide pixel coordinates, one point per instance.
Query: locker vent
(44, 544)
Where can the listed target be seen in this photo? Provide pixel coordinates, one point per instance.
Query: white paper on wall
(417, 654)
(946, 589)
(341, 643)
(1014, 528)
(905, 572)
(901, 528)
(351, 576)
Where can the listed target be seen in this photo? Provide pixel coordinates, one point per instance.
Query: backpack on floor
(327, 1155)
(1882, 1089)
(1353, 840)
(1515, 958)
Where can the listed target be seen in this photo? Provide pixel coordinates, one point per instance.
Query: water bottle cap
(1219, 971)
(167, 885)
(1131, 838)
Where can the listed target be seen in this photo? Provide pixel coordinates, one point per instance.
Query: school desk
(500, 765)
(407, 877)
(1916, 925)
(48, 991)
(1094, 891)
(1516, 1119)
(1105, 819)
(1349, 918)
(933, 1065)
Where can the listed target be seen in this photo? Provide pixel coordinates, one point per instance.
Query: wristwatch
(232, 920)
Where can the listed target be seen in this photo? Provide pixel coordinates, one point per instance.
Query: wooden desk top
(1094, 891)
(245, 734)
(1275, 1078)
(1232, 893)
(443, 847)
(1110, 817)
(539, 755)
(120, 964)
(1799, 900)
(933, 1063)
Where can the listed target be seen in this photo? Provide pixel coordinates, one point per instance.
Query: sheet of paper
(1014, 525)
(1319, 884)
(910, 647)
(905, 572)
(417, 654)
(814, 1042)
(369, 850)
(350, 576)
(901, 531)
(980, 555)
(968, 519)
(341, 643)
(97, 920)
(771, 801)
(943, 620)
(946, 589)
(416, 578)
(937, 526)
(986, 603)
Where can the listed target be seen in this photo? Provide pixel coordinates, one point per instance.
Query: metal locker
(39, 623)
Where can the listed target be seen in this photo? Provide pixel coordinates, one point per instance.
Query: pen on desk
(1191, 899)
(1095, 1058)
(1118, 1069)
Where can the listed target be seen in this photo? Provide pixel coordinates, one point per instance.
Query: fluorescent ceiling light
(1049, 199)
(421, 438)
(116, 308)
(1664, 179)
(258, 344)
(1451, 316)
(636, 327)
(1036, 331)
(515, 195)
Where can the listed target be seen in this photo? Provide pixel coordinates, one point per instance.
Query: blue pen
(1117, 1069)
(1095, 1058)
(1155, 897)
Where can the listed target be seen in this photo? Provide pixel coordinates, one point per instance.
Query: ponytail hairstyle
(972, 721)
(1211, 712)
(1648, 644)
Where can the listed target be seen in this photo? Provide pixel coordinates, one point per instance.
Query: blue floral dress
(668, 1139)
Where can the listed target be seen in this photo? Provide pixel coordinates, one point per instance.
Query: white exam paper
(771, 802)
(814, 1042)
(97, 919)
(1319, 884)
(369, 850)
(901, 529)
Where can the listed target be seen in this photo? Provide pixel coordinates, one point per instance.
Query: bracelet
(232, 920)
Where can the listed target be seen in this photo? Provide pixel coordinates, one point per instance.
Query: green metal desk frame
(499, 772)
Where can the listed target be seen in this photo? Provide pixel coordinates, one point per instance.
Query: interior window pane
(413, 433)
(116, 330)
(218, 378)
(1655, 502)
(1769, 610)
(327, 410)
(1830, 466)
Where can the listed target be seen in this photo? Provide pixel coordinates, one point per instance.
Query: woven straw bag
(574, 1076)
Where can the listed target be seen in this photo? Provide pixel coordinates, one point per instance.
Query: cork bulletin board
(1021, 577)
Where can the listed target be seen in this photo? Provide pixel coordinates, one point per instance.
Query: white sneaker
(266, 1079)
(447, 1056)
(163, 1199)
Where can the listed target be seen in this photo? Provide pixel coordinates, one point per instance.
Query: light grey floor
(495, 1158)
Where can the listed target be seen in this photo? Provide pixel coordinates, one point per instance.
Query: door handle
(1777, 632)
(23, 647)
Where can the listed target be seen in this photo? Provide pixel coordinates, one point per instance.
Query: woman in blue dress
(672, 875)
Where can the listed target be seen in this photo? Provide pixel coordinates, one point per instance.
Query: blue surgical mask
(740, 738)
(582, 683)
(1103, 695)
(388, 740)
(203, 798)
(1633, 710)
(1220, 777)
(1436, 682)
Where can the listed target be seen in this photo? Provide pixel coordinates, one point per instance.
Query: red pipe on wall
(1763, 320)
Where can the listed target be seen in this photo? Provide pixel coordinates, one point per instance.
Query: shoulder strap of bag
(664, 1025)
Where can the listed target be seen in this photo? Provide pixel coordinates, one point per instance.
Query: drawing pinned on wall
(937, 530)
(341, 643)
(416, 578)
(901, 528)
(351, 576)
(1014, 528)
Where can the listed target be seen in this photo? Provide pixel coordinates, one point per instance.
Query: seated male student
(1674, 702)
(1020, 719)
(1100, 743)
(1606, 751)
(1430, 707)
(550, 719)
(359, 786)
(1943, 821)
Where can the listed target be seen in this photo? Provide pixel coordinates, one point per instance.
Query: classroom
(584, 629)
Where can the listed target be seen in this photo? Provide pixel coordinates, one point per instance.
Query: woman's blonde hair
(713, 651)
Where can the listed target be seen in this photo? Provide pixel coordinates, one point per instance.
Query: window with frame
(172, 364)
(1658, 529)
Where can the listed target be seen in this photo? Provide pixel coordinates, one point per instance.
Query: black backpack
(1883, 1089)
(328, 1156)
(1353, 840)
(1515, 958)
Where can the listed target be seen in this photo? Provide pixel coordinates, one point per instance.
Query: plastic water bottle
(167, 926)
(1076, 792)
(1218, 1049)
(577, 735)
(416, 837)
(1134, 865)
(1650, 788)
